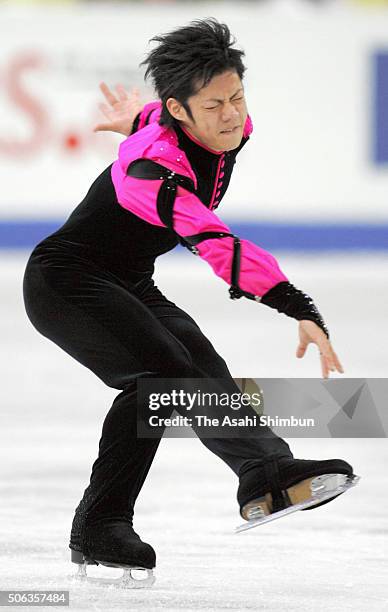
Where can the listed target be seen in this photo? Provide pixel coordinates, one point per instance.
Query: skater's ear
(176, 109)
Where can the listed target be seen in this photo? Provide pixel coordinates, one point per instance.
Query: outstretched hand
(310, 333)
(120, 111)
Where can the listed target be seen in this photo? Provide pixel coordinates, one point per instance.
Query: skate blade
(129, 579)
(304, 494)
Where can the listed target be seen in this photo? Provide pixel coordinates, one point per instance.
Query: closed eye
(216, 105)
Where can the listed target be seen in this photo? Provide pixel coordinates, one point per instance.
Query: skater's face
(219, 112)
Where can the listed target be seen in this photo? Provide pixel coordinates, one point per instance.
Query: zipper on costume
(218, 182)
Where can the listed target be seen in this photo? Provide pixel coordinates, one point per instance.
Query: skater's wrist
(289, 300)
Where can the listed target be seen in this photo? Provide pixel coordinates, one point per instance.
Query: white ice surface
(333, 558)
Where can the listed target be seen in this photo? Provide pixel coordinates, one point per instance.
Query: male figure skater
(88, 287)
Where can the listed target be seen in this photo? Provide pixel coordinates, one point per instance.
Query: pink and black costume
(88, 287)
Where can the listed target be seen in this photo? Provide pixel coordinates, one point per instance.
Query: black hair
(186, 60)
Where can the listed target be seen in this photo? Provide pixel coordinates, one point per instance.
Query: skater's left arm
(286, 298)
(310, 333)
(258, 271)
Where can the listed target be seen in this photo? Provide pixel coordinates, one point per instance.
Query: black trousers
(122, 330)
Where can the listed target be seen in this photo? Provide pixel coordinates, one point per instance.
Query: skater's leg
(270, 478)
(107, 329)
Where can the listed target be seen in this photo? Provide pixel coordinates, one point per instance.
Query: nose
(229, 112)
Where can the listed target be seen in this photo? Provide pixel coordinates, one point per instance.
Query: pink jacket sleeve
(259, 270)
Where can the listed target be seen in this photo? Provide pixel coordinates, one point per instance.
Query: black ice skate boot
(112, 541)
(284, 485)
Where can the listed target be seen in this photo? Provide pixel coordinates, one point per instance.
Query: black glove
(286, 298)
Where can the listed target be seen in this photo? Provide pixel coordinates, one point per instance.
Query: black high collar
(205, 164)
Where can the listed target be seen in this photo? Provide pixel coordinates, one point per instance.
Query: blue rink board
(23, 234)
